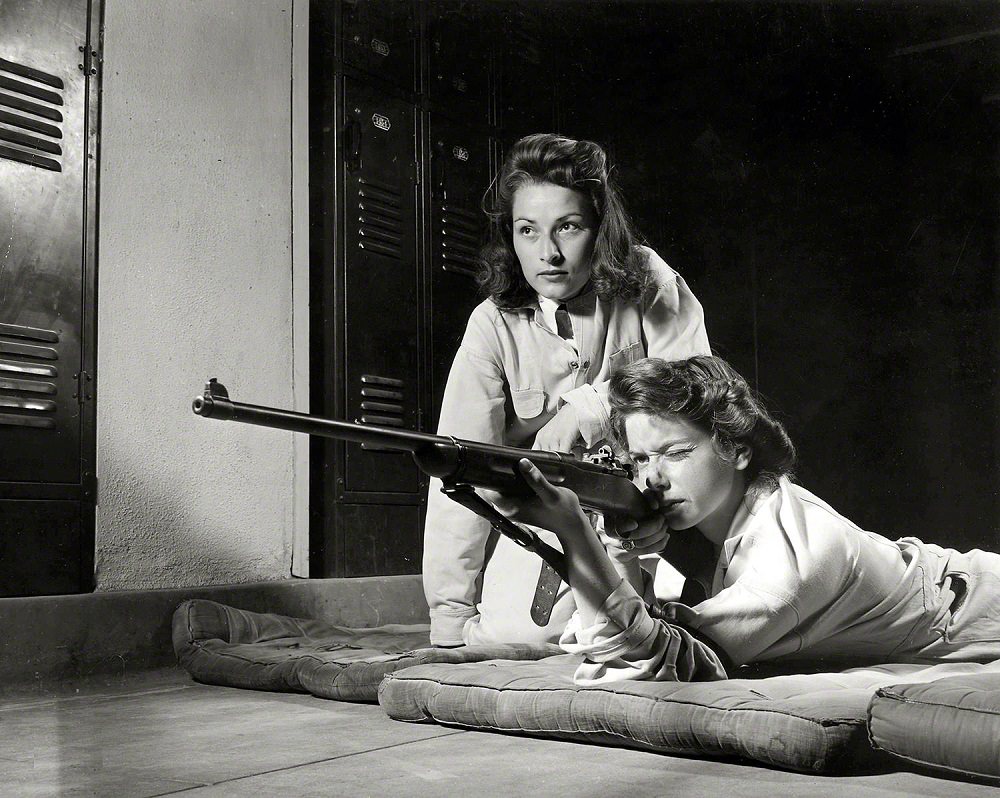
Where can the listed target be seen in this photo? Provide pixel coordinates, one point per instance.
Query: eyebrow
(560, 219)
(662, 446)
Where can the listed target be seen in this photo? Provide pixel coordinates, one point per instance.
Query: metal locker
(380, 37)
(48, 114)
(527, 80)
(458, 59)
(460, 164)
(378, 539)
(381, 282)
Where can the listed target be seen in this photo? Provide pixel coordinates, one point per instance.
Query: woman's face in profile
(554, 231)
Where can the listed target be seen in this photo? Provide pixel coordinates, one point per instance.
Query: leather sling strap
(545, 594)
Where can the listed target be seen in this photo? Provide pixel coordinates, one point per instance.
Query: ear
(743, 455)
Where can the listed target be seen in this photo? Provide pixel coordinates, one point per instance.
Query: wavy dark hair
(619, 267)
(710, 393)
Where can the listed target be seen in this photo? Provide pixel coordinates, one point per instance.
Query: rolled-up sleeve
(591, 406)
(625, 643)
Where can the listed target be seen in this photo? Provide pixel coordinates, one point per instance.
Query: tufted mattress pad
(814, 722)
(219, 644)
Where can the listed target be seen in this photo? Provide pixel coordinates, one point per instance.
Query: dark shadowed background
(825, 178)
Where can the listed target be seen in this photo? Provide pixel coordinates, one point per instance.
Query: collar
(548, 305)
(742, 521)
(737, 527)
(577, 304)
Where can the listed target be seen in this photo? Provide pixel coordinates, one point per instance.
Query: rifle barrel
(387, 437)
(481, 464)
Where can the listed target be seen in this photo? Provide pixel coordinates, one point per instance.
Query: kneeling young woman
(793, 579)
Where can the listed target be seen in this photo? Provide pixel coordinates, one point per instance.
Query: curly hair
(619, 266)
(710, 393)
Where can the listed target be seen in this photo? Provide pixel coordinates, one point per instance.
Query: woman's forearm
(631, 571)
(591, 573)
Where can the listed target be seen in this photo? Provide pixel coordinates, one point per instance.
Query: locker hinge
(89, 487)
(91, 60)
(416, 174)
(83, 392)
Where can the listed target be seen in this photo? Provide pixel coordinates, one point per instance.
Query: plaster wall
(195, 280)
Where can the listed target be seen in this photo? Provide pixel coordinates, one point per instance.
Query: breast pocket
(625, 355)
(528, 402)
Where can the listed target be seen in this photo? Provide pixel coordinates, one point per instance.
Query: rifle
(601, 484)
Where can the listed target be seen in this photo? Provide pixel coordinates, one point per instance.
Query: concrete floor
(159, 733)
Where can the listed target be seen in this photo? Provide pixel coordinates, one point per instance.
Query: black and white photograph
(413, 398)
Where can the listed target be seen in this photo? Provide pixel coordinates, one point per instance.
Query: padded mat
(813, 722)
(952, 723)
(223, 645)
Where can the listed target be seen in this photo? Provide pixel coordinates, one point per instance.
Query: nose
(550, 251)
(656, 479)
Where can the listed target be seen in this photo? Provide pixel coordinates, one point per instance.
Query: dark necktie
(547, 589)
(563, 324)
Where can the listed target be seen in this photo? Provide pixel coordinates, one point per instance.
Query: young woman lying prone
(793, 578)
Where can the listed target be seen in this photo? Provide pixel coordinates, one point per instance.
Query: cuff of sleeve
(447, 625)
(620, 626)
(591, 413)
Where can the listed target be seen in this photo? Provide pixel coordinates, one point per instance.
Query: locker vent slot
(460, 238)
(380, 218)
(381, 405)
(24, 104)
(28, 333)
(23, 382)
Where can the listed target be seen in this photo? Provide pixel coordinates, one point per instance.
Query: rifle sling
(546, 592)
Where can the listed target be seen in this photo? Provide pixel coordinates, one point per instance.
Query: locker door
(460, 163)
(46, 284)
(458, 62)
(379, 37)
(381, 290)
(527, 81)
